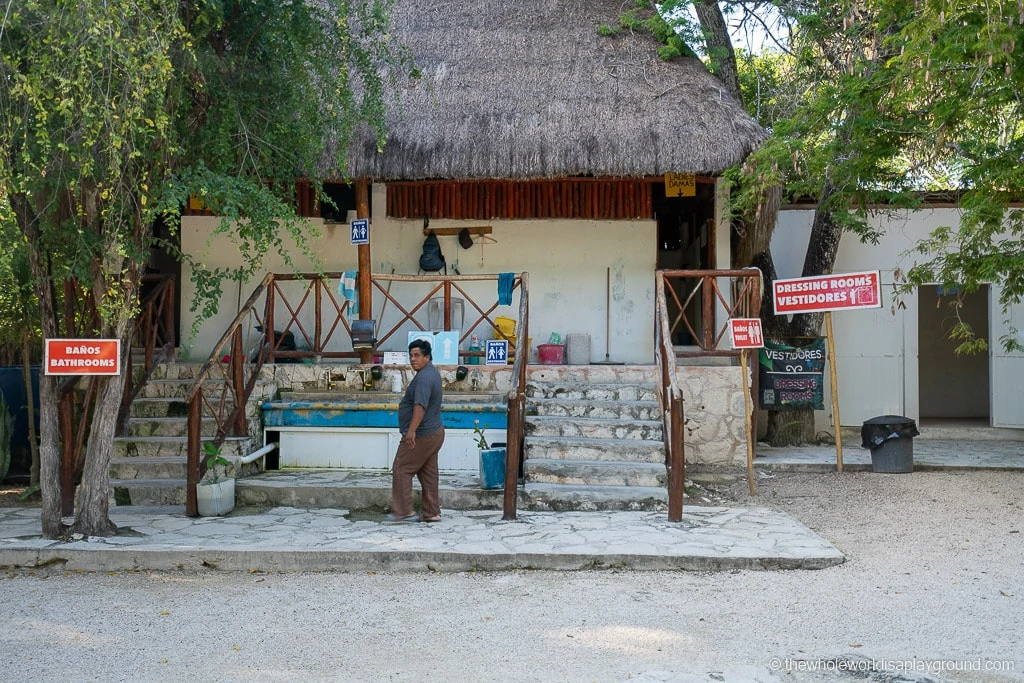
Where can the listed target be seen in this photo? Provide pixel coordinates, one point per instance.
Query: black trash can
(891, 440)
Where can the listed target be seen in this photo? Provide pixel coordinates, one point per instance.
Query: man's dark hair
(423, 345)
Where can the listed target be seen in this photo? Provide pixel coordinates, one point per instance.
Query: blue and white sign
(360, 231)
(420, 334)
(446, 348)
(497, 352)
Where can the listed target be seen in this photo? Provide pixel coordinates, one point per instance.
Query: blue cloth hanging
(348, 288)
(505, 283)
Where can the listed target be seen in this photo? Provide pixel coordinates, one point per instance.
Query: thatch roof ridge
(529, 89)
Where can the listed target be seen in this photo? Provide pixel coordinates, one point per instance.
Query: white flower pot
(216, 499)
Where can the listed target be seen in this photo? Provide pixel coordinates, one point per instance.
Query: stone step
(353, 491)
(608, 450)
(177, 407)
(166, 467)
(172, 467)
(166, 426)
(614, 410)
(566, 498)
(592, 392)
(213, 389)
(173, 446)
(594, 428)
(147, 491)
(595, 473)
(189, 371)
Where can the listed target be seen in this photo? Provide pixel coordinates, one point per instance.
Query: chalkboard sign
(792, 377)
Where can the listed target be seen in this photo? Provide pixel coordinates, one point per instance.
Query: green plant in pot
(216, 493)
(492, 460)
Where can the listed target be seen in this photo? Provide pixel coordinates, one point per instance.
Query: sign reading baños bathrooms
(82, 357)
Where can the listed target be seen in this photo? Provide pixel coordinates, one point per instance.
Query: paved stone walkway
(292, 539)
(928, 454)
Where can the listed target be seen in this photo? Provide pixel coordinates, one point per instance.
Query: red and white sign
(82, 357)
(838, 292)
(746, 333)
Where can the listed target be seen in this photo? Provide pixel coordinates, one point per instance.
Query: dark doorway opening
(686, 241)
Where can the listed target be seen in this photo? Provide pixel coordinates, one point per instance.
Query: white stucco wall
(566, 260)
(877, 350)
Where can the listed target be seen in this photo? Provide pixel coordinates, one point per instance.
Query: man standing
(419, 421)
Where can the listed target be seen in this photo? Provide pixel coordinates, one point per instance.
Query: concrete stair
(149, 461)
(594, 446)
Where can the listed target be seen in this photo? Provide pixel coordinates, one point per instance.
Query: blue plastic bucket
(492, 468)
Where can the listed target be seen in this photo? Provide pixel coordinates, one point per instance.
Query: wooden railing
(332, 325)
(670, 396)
(154, 333)
(517, 405)
(233, 379)
(223, 386)
(743, 301)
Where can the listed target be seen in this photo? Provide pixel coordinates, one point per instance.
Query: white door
(1007, 367)
(869, 364)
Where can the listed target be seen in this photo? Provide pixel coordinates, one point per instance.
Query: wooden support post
(241, 427)
(195, 415)
(744, 364)
(447, 305)
(169, 326)
(707, 313)
(514, 437)
(835, 390)
(365, 292)
(677, 460)
(318, 300)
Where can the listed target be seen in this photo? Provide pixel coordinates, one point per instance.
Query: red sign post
(82, 357)
(745, 333)
(842, 292)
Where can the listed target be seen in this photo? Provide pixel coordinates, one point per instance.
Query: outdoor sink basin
(350, 396)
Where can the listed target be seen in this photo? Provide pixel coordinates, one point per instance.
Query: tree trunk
(49, 448)
(92, 500)
(795, 427)
(719, 45)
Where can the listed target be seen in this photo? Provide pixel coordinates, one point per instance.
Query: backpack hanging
(432, 260)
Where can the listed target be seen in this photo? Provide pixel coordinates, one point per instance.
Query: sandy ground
(935, 576)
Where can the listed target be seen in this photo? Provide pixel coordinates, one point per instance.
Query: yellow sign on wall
(680, 185)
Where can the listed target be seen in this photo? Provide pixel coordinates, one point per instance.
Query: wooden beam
(473, 230)
(364, 285)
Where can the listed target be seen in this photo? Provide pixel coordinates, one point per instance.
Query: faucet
(330, 377)
(366, 377)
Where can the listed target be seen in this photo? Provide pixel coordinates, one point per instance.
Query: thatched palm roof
(529, 89)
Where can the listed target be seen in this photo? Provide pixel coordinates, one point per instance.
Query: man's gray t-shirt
(424, 390)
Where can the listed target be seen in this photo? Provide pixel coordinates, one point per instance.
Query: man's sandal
(394, 519)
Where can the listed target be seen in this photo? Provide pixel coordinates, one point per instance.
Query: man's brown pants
(422, 462)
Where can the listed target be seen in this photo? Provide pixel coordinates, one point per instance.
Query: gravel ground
(935, 572)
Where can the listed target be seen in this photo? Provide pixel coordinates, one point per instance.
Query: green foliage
(215, 460)
(114, 112)
(479, 436)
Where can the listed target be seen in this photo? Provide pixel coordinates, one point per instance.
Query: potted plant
(216, 493)
(492, 460)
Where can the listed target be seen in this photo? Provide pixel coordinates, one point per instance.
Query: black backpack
(432, 260)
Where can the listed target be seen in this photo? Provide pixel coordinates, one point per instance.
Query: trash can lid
(878, 430)
(889, 420)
